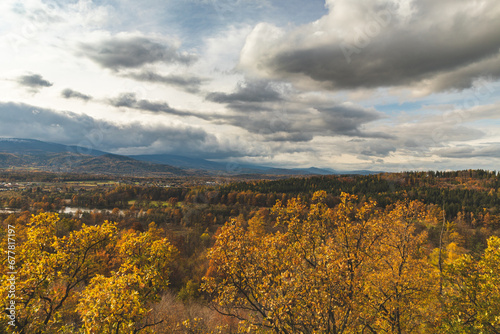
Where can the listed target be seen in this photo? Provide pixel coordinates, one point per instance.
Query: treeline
(469, 191)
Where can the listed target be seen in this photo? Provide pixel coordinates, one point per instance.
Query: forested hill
(67, 162)
(469, 190)
(32, 146)
(29, 154)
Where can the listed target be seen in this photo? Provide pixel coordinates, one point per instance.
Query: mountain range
(33, 154)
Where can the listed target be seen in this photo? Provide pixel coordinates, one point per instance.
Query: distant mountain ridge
(33, 146)
(35, 154)
(52, 157)
(235, 168)
(227, 168)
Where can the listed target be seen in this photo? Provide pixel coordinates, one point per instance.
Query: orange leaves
(120, 302)
(340, 270)
(472, 300)
(112, 278)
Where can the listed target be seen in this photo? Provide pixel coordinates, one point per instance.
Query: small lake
(68, 210)
(8, 210)
(73, 210)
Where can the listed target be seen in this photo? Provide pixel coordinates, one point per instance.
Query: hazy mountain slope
(32, 146)
(229, 168)
(34, 154)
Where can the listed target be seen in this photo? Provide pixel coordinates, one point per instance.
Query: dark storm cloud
(129, 100)
(188, 83)
(375, 44)
(133, 52)
(75, 129)
(68, 93)
(33, 81)
(249, 91)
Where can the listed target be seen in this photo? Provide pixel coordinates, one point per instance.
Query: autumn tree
(58, 272)
(348, 269)
(121, 302)
(403, 286)
(51, 269)
(472, 292)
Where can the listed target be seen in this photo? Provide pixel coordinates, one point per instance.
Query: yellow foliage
(57, 273)
(472, 300)
(343, 270)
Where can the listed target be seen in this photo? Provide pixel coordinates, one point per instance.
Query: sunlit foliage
(107, 277)
(348, 269)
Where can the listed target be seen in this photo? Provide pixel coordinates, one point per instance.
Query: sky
(391, 85)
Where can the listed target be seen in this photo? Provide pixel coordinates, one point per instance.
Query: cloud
(188, 83)
(346, 119)
(444, 134)
(468, 76)
(417, 137)
(129, 100)
(128, 51)
(280, 113)
(33, 81)
(377, 148)
(428, 45)
(68, 93)
(253, 96)
(248, 91)
(475, 112)
(299, 123)
(422, 137)
(466, 152)
(132, 138)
